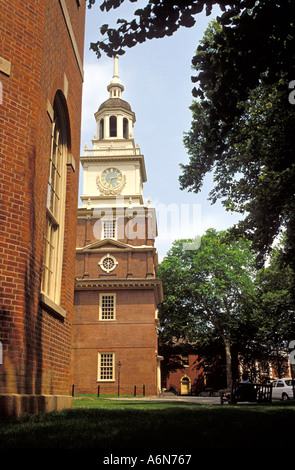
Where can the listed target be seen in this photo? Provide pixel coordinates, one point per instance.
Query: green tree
(250, 56)
(209, 292)
(274, 316)
(243, 124)
(157, 19)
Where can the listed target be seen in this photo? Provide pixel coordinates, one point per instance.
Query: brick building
(186, 372)
(115, 342)
(41, 76)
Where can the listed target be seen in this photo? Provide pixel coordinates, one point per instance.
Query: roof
(115, 103)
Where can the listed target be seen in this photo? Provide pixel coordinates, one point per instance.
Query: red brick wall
(194, 371)
(132, 336)
(89, 232)
(136, 264)
(35, 40)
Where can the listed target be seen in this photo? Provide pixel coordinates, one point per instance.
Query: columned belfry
(115, 344)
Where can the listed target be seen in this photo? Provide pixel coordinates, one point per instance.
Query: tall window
(109, 229)
(55, 211)
(106, 367)
(185, 360)
(101, 129)
(107, 307)
(125, 128)
(113, 126)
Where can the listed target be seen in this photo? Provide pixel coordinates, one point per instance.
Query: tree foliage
(157, 19)
(243, 124)
(275, 315)
(215, 296)
(208, 292)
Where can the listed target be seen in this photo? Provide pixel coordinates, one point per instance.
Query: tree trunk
(229, 376)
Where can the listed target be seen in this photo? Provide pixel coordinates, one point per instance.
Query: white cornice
(132, 283)
(117, 245)
(115, 155)
(142, 248)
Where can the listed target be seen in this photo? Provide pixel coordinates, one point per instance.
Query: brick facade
(132, 335)
(41, 54)
(187, 376)
(186, 373)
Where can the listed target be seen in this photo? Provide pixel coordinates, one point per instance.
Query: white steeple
(114, 154)
(115, 87)
(115, 118)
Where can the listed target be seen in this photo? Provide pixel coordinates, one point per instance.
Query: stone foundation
(17, 405)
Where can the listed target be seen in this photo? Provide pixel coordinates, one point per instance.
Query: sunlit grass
(102, 423)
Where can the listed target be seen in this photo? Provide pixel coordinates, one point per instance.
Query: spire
(116, 73)
(115, 87)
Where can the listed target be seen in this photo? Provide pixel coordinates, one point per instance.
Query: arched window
(56, 194)
(101, 129)
(125, 128)
(113, 126)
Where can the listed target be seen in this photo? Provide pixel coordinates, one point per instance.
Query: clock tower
(115, 342)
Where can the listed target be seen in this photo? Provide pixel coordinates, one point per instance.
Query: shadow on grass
(153, 426)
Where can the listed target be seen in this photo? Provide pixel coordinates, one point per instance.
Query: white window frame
(55, 212)
(104, 229)
(99, 366)
(102, 298)
(106, 258)
(185, 360)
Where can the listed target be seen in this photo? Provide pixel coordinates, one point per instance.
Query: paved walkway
(175, 398)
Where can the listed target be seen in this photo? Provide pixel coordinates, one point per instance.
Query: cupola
(114, 117)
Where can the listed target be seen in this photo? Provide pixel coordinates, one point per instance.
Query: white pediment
(106, 243)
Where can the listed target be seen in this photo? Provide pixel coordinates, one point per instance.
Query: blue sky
(157, 80)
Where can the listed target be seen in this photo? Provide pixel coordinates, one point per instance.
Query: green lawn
(100, 423)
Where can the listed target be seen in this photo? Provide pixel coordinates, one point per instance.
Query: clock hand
(111, 180)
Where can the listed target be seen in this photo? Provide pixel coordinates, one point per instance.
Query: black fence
(136, 390)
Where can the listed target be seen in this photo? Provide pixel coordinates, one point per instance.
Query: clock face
(111, 178)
